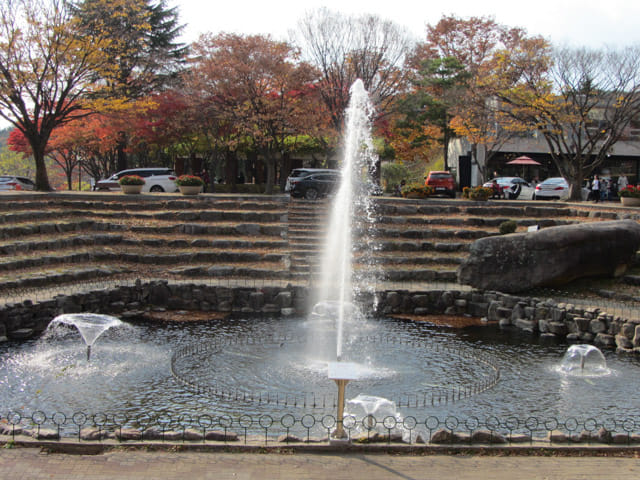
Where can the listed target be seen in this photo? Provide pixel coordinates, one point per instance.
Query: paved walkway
(32, 464)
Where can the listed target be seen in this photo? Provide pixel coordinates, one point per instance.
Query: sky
(576, 23)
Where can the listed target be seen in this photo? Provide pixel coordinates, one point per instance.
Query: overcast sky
(592, 23)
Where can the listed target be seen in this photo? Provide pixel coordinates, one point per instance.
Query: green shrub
(508, 226)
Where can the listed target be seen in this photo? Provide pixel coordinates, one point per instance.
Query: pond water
(257, 366)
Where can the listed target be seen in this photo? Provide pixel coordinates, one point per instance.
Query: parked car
(298, 174)
(513, 187)
(14, 182)
(556, 188)
(156, 180)
(443, 183)
(315, 185)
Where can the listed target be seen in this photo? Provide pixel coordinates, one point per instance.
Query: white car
(156, 180)
(555, 188)
(13, 182)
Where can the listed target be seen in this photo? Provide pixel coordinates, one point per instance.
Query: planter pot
(630, 201)
(190, 190)
(131, 189)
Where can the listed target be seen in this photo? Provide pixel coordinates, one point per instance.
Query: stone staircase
(56, 240)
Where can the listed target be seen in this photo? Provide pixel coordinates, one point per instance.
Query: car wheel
(156, 188)
(311, 194)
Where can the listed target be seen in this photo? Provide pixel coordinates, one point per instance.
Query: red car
(442, 182)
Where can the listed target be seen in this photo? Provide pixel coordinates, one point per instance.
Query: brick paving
(33, 464)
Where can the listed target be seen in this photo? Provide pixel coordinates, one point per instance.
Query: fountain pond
(265, 367)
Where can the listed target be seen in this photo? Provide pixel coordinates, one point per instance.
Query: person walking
(595, 188)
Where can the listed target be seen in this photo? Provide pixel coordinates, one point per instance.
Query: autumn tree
(346, 48)
(581, 108)
(261, 89)
(454, 66)
(143, 50)
(47, 69)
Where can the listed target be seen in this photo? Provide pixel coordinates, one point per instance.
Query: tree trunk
(271, 173)
(42, 178)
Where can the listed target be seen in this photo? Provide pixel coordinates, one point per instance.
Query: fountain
(89, 325)
(584, 360)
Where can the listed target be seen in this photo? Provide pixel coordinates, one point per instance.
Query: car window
(440, 176)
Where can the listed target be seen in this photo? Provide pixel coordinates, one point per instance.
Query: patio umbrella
(523, 160)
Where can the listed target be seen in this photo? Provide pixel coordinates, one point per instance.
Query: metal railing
(307, 428)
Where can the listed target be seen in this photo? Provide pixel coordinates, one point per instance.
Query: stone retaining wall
(564, 322)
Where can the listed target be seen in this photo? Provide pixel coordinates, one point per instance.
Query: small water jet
(584, 360)
(89, 325)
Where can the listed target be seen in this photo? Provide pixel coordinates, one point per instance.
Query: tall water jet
(337, 282)
(89, 325)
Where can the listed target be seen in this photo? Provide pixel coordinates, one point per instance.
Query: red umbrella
(523, 160)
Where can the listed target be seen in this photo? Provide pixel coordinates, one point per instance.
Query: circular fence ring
(451, 423)
(432, 423)
(265, 421)
(389, 422)
(531, 423)
(288, 420)
(14, 418)
(410, 423)
(308, 421)
(59, 419)
(99, 419)
(551, 424)
(120, 419)
(164, 420)
(145, 420)
(493, 424)
(369, 422)
(571, 424)
(512, 423)
(225, 421)
(629, 425)
(245, 421)
(328, 421)
(349, 422)
(79, 419)
(205, 420)
(184, 420)
(472, 423)
(39, 417)
(591, 425)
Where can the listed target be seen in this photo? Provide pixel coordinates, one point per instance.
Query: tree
(142, 49)
(438, 87)
(47, 69)
(346, 48)
(582, 108)
(454, 66)
(260, 87)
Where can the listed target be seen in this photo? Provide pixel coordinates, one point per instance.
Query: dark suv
(315, 185)
(442, 182)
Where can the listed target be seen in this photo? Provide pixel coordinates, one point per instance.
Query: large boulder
(551, 256)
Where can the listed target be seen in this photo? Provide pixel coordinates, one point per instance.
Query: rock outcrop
(551, 256)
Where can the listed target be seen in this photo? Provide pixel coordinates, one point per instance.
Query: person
(497, 190)
(205, 178)
(399, 187)
(622, 182)
(595, 188)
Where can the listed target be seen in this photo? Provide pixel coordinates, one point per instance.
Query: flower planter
(131, 189)
(630, 201)
(190, 190)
